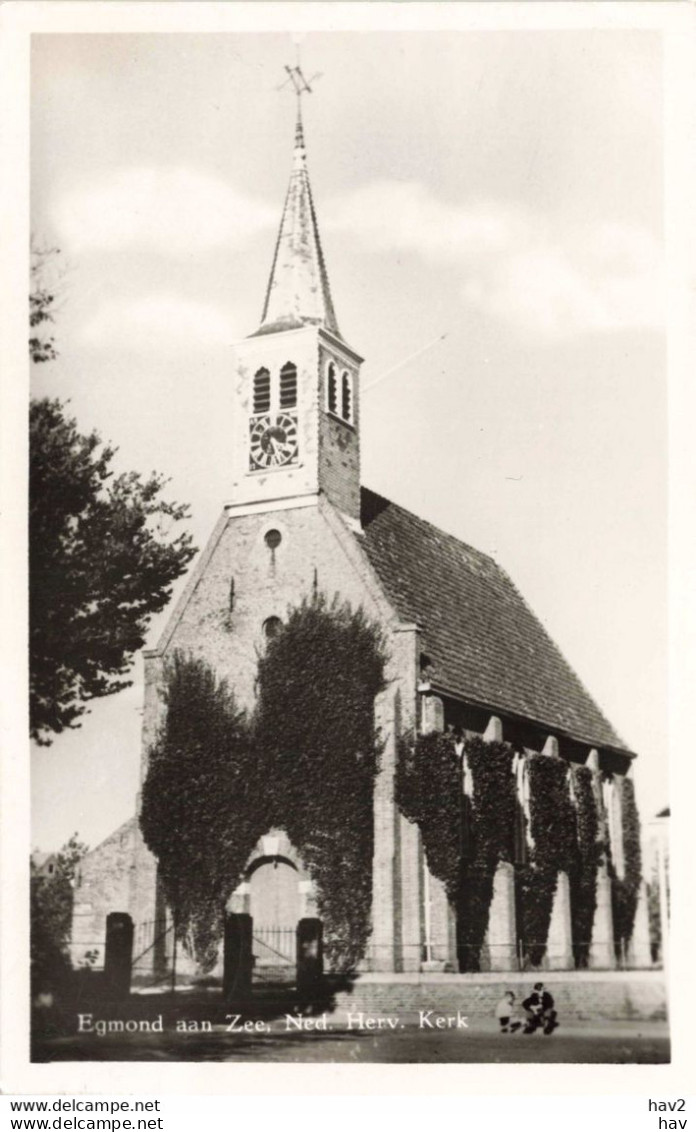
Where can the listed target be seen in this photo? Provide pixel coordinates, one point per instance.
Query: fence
(275, 953)
(154, 954)
(159, 960)
(524, 956)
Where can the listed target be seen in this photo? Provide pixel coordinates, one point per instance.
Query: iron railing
(275, 953)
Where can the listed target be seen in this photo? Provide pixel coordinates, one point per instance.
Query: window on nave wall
(271, 627)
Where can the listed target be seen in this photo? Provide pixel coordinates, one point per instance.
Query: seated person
(540, 1012)
(506, 1013)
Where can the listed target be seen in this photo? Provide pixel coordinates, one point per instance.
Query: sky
(502, 189)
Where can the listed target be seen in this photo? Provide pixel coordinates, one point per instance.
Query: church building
(465, 651)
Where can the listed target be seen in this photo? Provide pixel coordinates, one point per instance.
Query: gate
(154, 955)
(275, 953)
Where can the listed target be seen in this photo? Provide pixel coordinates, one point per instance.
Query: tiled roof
(485, 644)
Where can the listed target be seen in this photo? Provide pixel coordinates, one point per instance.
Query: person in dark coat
(539, 1008)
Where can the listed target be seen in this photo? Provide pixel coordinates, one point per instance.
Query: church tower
(296, 393)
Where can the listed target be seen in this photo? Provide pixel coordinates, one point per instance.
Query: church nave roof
(485, 643)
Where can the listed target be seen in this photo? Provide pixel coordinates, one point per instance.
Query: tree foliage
(51, 905)
(101, 563)
(102, 558)
(41, 307)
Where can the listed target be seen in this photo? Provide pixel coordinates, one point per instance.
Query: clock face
(272, 441)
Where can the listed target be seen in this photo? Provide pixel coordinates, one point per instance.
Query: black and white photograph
(348, 546)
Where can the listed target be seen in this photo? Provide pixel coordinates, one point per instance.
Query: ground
(267, 1034)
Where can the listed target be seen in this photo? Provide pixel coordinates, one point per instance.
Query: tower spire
(298, 292)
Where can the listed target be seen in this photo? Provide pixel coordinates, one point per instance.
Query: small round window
(273, 539)
(271, 627)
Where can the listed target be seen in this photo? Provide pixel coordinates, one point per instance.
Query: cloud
(558, 289)
(393, 215)
(174, 210)
(156, 322)
(544, 276)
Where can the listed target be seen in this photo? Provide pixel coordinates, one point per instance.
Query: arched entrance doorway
(275, 908)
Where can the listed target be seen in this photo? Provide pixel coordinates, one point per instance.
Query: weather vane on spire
(301, 85)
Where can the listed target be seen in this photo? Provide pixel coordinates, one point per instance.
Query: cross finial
(300, 85)
(299, 82)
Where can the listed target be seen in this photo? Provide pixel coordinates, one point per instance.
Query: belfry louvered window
(346, 397)
(331, 389)
(262, 391)
(288, 386)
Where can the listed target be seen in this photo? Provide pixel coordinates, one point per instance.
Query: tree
(51, 916)
(102, 558)
(100, 565)
(41, 306)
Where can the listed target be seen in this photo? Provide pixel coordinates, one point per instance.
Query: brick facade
(339, 441)
(240, 582)
(413, 925)
(118, 876)
(316, 548)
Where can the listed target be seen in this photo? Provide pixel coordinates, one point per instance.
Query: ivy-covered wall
(463, 841)
(488, 839)
(625, 889)
(305, 762)
(204, 805)
(589, 851)
(315, 731)
(465, 838)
